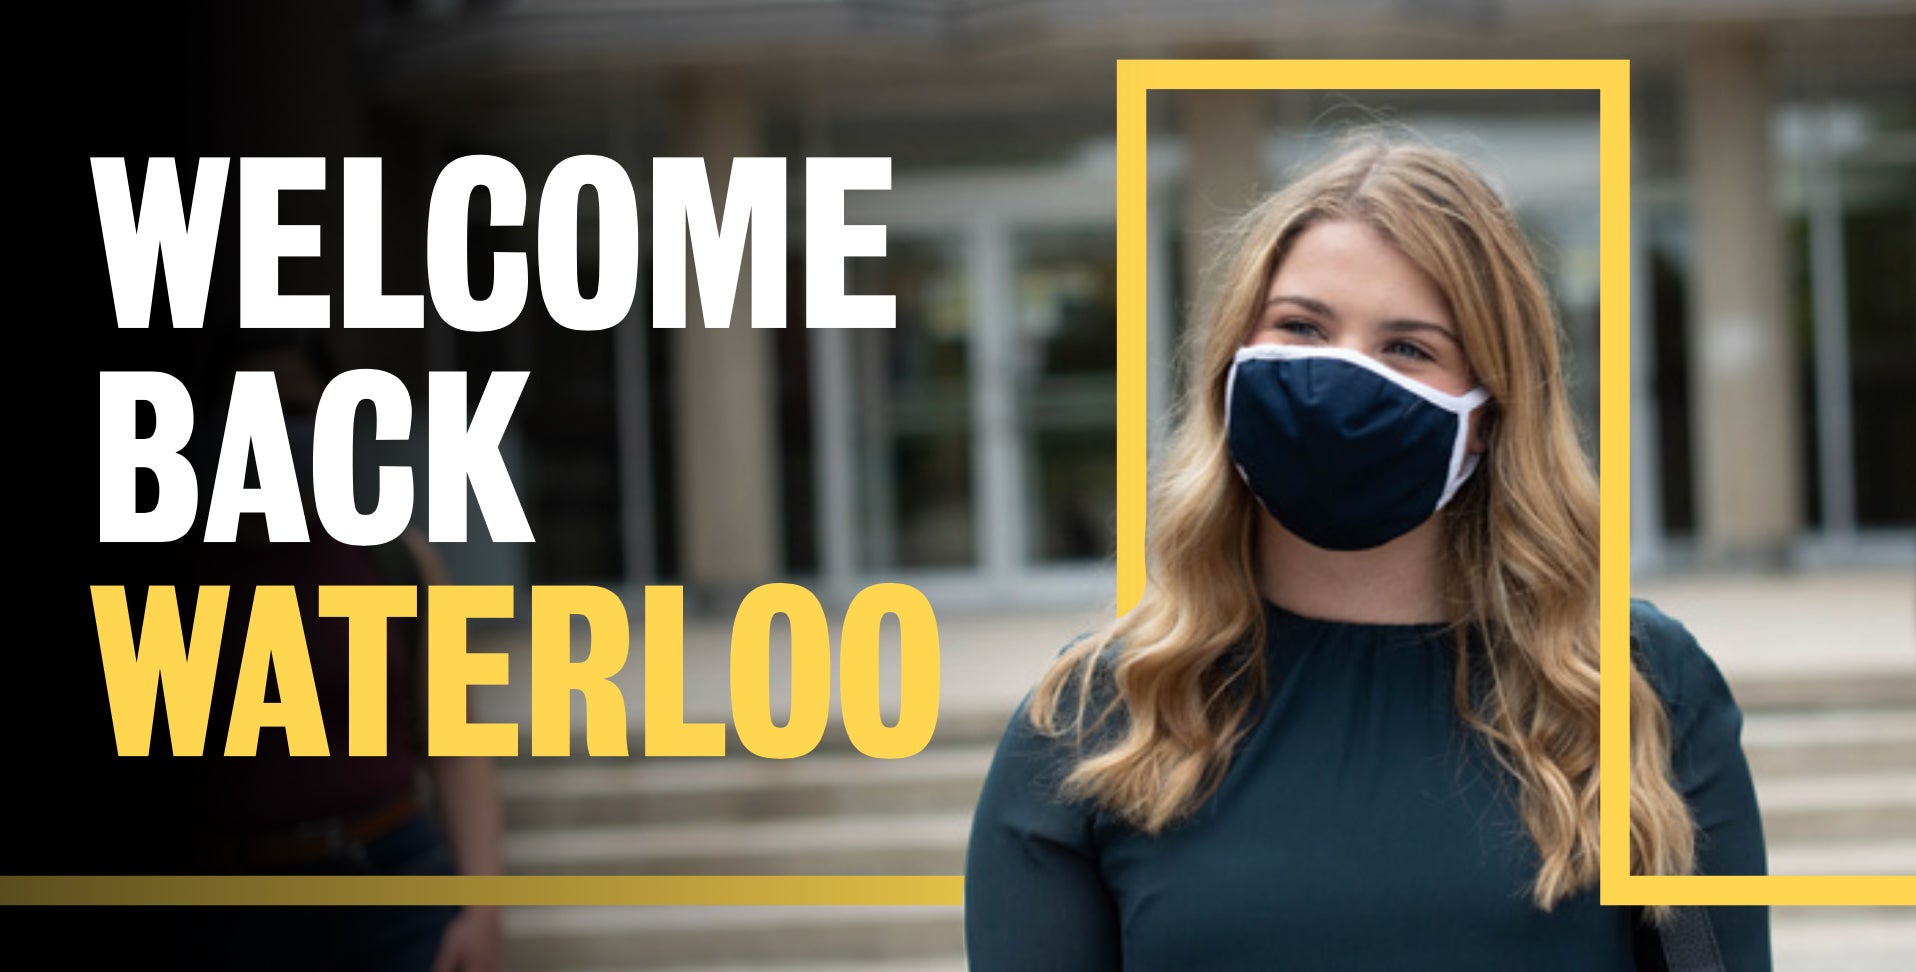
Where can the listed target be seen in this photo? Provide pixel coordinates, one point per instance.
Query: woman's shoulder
(1663, 648)
(1683, 673)
(1097, 672)
(1072, 701)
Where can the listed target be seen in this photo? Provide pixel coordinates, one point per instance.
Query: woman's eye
(1299, 327)
(1408, 350)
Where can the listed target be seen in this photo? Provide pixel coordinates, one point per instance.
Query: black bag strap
(1689, 944)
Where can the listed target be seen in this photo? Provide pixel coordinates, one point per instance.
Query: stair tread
(570, 920)
(1861, 689)
(939, 963)
(1866, 931)
(611, 777)
(1870, 790)
(742, 837)
(1874, 857)
(1826, 727)
(942, 963)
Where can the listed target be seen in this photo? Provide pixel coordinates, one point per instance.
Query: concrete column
(1224, 171)
(638, 459)
(1747, 413)
(724, 383)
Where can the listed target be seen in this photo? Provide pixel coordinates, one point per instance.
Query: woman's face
(1342, 285)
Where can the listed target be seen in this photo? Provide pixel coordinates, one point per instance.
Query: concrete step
(943, 963)
(1851, 806)
(776, 939)
(1868, 856)
(917, 843)
(1885, 689)
(587, 792)
(1758, 696)
(956, 727)
(1828, 773)
(1812, 939)
(1825, 840)
(1875, 834)
(1833, 741)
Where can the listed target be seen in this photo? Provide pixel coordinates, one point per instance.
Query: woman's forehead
(1353, 270)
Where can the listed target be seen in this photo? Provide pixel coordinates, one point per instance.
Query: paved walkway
(1777, 625)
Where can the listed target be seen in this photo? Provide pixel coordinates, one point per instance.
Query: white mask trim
(1456, 404)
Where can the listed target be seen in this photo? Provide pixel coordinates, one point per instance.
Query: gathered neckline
(1291, 619)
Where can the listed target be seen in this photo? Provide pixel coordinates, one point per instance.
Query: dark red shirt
(275, 789)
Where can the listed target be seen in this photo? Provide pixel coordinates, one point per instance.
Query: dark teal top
(1360, 826)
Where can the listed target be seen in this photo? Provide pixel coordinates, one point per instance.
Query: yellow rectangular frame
(1611, 80)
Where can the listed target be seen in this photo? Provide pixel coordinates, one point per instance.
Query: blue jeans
(383, 938)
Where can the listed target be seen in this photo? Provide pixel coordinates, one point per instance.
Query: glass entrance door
(982, 428)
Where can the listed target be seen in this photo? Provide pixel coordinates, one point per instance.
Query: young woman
(1353, 722)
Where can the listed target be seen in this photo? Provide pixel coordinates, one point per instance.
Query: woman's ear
(1483, 424)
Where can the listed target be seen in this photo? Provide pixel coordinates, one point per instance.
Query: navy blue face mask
(1339, 448)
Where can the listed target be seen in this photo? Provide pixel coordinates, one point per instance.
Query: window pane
(914, 413)
(1067, 350)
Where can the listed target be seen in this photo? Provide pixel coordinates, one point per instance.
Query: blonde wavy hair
(1520, 570)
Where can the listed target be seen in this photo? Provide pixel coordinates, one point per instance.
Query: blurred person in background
(276, 813)
(1353, 723)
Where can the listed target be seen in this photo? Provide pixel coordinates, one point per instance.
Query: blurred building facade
(971, 449)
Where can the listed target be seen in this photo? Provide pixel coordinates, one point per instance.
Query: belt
(330, 838)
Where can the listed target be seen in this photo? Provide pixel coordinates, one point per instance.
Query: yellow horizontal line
(1761, 889)
(809, 889)
(921, 890)
(1371, 74)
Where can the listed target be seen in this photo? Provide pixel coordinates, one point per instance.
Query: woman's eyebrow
(1309, 304)
(1403, 324)
(1398, 324)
